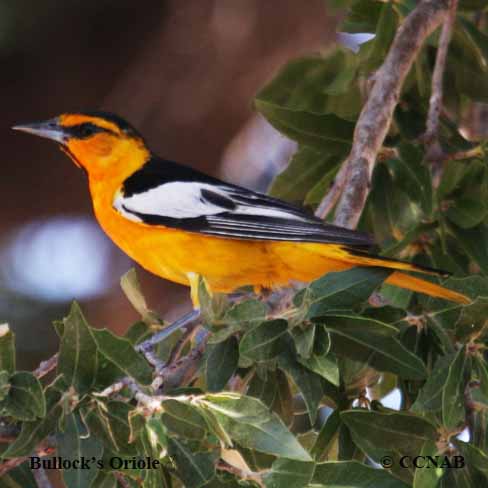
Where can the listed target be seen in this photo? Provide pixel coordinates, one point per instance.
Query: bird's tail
(407, 281)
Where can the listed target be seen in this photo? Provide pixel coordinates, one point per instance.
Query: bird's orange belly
(226, 264)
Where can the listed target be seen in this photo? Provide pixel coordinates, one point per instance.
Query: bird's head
(98, 142)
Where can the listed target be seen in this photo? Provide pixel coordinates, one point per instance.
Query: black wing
(173, 195)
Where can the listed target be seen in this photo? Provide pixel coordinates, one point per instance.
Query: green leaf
(482, 371)
(311, 129)
(153, 445)
(412, 175)
(318, 85)
(476, 5)
(4, 387)
(110, 422)
(318, 191)
(352, 474)
(138, 332)
(132, 289)
(304, 339)
(372, 342)
(183, 419)
(363, 16)
(283, 400)
(469, 46)
(479, 39)
(212, 305)
(305, 168)
(311, 98)
(342, 290)
(264, 341)
(239, 316)
(327, 434)
(251, 424)
(19, 477)
(34, 432)
(427, 476)
(392, 211)
(472, 319)
(104, 479)
(466, 477)
(324, 365)
(375, 51)
(120, 351)
(7, 349)
(78, 361)
(274, 392)
(25, 400)
(474, 457)
(453, 393)
(309, 383)
(78, 446)
(468, 79)
(292, 474)
(194, 469)
(452, 175)
(392, 433)
(221, 363)
(249, 311)
(430, 396)
(467, 212)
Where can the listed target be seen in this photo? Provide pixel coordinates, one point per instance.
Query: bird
(182, 224)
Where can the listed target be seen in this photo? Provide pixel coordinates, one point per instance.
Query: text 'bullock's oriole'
(179, 223)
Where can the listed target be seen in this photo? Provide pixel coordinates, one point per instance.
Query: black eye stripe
(85, 130)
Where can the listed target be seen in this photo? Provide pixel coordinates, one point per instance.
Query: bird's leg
(194, 280)
(186, 320)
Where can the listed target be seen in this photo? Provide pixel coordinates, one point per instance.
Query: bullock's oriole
(179, 223)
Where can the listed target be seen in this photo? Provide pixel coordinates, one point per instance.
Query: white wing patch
(184, 200)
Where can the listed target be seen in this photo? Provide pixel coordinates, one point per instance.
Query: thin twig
(435, 102)
(435, 153)
(10, 464)
(121, 479)
(42, 450)
(46, 366)
(182, 342)
(240, 473)
(113, 389)
(41, 478)
(470, 153)
(147, 347)
(375, 118)
(183, 371)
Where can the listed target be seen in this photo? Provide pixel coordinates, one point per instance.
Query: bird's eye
(83, 131)
(87, 130)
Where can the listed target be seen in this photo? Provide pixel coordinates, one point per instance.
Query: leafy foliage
(265, 396)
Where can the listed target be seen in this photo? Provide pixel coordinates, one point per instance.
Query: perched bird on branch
(180, 224)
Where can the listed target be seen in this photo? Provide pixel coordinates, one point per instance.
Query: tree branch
(41, 478)
(435, 102)
(434, 150)
(46, 366)
(375, 118)
(44, 449)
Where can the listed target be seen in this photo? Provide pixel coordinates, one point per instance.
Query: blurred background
(184, 73)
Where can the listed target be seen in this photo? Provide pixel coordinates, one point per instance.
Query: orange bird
(179, 223)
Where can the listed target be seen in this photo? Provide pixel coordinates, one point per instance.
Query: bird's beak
(49, 129)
